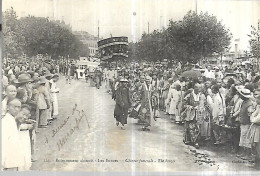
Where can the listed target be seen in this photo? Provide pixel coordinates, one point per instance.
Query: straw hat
(245, 93)
(239, 87)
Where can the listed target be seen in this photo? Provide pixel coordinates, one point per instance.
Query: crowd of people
(218, 105)
(29, 102)
(214, 105)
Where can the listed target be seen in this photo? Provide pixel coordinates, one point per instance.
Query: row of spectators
(29, 103)
(217, 106)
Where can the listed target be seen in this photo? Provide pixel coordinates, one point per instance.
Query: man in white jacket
(12, 156)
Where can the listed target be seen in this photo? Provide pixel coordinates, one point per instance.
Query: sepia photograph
(130, 86)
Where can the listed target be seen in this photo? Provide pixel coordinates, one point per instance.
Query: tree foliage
(191, 39)
(255, 42)
(37, 35)
(13, 41)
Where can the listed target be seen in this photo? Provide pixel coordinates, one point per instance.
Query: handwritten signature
(80, 114)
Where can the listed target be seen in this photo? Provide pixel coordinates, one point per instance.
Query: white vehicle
(84, 63)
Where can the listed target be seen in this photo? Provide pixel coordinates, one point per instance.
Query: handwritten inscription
(65, 138)
(56, 130)
(75, 118)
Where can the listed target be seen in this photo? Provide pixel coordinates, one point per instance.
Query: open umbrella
(191, 74)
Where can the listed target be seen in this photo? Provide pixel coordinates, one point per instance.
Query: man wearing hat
(48, 77)
(244, 118)
(123, 103)
(24, 82)
(218, 74)
(43, 103)
(54, 91)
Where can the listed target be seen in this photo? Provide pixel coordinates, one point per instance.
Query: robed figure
(146, 115)
(123, 103)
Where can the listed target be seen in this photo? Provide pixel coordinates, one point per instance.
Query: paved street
(69, 144)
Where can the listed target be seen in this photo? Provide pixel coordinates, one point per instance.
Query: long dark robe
(123, 103)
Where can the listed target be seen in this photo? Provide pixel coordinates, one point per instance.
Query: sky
(131, 17)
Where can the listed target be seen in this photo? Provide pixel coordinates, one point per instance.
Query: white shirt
(206, 73)
(12, 155)
(237, 105)
(4, 106)
(10, 72)
(5, 80)
(219, 107)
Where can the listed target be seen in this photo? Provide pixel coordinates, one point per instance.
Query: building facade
(92, 46)
(89, 41)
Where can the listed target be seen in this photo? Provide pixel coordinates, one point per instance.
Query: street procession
(186, 92)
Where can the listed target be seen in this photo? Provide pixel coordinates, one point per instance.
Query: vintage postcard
(131, 86)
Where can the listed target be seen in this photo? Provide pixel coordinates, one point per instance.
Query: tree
(13, 42)
(189, 40)
(151, 46)
(43, 36)
(196, 37)
(255, 42)
(37, 35)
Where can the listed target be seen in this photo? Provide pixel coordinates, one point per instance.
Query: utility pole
(258, 38)
(98, 30)
(196, 9)
(148, 27)
(161, 22)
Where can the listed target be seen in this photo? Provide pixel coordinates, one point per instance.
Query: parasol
(246, 62)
